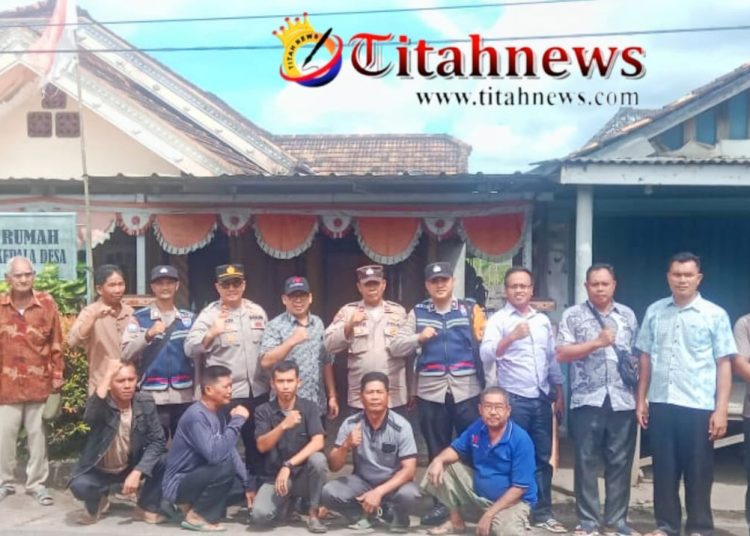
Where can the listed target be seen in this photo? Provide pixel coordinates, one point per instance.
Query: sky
(504, 139)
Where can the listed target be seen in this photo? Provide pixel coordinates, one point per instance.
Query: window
(39, 124)
(673, 138)
(705, 127)
(67, 125)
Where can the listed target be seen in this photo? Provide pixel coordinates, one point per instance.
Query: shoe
(586, 529)
(551, 525)
(89, 519)
(439, 514)
(6, 490)
(316, 526)
(363, 526)
(621, 530)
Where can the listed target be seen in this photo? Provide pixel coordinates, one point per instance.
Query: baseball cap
(164, 270)
(372, 272)
(230, 271)
(296, 284)
(438, 269)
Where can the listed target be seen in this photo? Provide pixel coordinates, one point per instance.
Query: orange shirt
(30, 349)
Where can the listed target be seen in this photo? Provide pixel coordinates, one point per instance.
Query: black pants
(207, 490)
(535, 416)
(94, 484)
(438, 421)
(169, 416)
(253, 458)
(681, 449)
(603, 435)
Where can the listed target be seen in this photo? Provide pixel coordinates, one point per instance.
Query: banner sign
(42, 237)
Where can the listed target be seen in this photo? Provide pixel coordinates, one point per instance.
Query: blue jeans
(535, 416)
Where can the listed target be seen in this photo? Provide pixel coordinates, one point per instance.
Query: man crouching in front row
(495, 483)
(126, 443)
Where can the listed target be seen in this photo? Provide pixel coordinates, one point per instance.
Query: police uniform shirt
(382, 450)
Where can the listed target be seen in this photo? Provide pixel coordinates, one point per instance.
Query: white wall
(109, 151)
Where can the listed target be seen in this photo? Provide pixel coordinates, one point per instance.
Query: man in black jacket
(126, 443)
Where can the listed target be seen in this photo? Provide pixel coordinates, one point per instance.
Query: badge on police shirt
(155, 314)
(360, 330)
(186, 320)
(133, 327)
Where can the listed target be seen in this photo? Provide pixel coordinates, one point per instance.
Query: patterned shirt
(595, 376)
(30, 349)
(684, 344)
(528, 366)
(309, 355)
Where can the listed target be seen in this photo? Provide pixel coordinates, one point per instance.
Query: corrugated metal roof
(660, 160)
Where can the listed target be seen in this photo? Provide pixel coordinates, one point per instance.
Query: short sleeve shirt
(742, 337)
(595, 377)
(508, 463)
(382, 450)
(684, 344)
(269, 415)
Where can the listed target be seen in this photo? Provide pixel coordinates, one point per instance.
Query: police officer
(365, 329)
(228, 332)
(447, 332)
(155, 338)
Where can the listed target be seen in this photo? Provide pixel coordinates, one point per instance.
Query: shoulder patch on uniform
(354, 419)
(423, 305)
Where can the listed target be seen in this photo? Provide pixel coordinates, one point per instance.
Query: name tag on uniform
(155, 314)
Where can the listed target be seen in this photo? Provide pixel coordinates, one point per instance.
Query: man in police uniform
(228, 332)
(385, 461)
(449, 374)
(155, 338)
(365, 329)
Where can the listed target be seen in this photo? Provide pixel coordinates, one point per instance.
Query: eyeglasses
(495, 407)
(232, 283)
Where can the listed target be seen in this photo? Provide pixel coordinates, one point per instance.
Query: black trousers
(438, 421)
(535, 416)
(681, 449)
(94, 484)
(603, 436)
(169, 416)
(253, 458)
(207, 490)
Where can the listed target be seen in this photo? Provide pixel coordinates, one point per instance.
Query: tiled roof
(379, 154)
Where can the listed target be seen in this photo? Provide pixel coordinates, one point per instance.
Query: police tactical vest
(451, 351)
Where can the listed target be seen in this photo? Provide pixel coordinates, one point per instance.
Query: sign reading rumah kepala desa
(42, 237)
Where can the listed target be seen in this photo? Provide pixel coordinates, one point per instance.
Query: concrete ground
(20, 515)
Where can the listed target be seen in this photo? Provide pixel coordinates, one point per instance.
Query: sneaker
(621, 530)
(363, 526)
(316, 526)
(436, 516)
(551, 525)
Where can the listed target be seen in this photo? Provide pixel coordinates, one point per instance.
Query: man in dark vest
(155, 338)
(446, 331)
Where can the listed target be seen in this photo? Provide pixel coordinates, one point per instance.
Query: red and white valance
(494, 238)
(285, 236)
(336, 226)
(134, 222)
(440, 228)
(234, 223)
(180, 234)
(102, 225)
(388, 240)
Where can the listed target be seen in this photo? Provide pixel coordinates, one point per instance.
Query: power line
(224, 48)
(283, 15)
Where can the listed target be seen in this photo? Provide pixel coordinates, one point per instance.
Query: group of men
(486, 392)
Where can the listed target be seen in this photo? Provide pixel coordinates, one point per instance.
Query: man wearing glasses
(228, 332)
(519, 345)
(297, 335)
(494, 484)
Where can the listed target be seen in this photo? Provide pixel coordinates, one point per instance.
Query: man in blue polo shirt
(495, 482)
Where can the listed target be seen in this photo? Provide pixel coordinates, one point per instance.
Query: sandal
(42, 496)
(6, 490)
(446, 529)
(552, 525)
(203, 527)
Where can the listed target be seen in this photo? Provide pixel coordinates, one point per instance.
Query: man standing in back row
(447, 332)
(365, 329)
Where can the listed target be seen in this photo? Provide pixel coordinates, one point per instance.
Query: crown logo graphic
(296, 31)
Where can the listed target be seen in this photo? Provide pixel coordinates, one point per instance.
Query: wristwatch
(289, 465)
